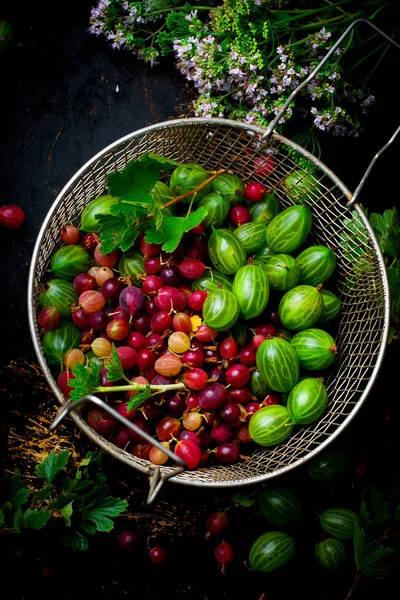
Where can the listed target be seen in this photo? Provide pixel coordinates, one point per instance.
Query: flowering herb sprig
(244, 57)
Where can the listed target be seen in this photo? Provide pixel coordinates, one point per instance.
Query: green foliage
(242, 500)
(374, 511)
(387, 229)
(172, 229)
(369, 555)
(140, 396)
(80, 498)
(86, 380)
(139, 198)
(113, 365)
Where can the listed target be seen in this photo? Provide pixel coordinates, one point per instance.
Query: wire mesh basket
(338, 222)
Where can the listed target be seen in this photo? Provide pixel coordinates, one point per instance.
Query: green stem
(175, 8)
(139, 386)
(340, 19)
(308, 13)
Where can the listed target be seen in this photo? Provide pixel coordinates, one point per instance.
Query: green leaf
(62, 500)
(36, 518)
(108, 507)
(52, 464)
(242, 500)
(19, 494)
(2, 518)
(135, 182)
(369, 556)
(139, 398)
(387, 229)
(374, 511)
(173, 228)
(43, 494)
(157, 216)
(66, 512)
(113, 365)
(93, 458)
(88, 528)
(353, 231)
(86, 380)
(75, 541)
(18, 521)
(117, 231)
(165, 163)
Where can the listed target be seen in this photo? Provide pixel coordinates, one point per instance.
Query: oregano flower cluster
(245, 57)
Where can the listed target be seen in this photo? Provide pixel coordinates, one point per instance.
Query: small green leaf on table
(369, 555)
(52, 465)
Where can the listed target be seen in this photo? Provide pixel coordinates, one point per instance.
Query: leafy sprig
(386, 227)
(143, 199)
(369, 555)
(86, 381)
(79, 497)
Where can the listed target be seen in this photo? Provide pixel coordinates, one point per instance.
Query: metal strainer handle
(274, 122)
(156, 478)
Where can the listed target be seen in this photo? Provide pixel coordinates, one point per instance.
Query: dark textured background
(59, 107)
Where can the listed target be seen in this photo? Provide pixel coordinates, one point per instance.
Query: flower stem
(176, 8)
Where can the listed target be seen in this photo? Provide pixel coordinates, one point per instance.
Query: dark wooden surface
(59, 107)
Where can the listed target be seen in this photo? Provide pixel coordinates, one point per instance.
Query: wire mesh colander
(338, 222)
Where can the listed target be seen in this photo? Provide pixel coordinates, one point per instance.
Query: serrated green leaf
(374, 511)
(139, 398)
(134, 183)
(93, 458)
(117, 231)
(75, 541)
(35, 518)
(19, 496)
(63, 499)
(88, 527)
(2, 518)
(113, 365)
(121, 209)
(166, 163)
(386, 228)
(86, 380)
(194, 219)
(18, 521)
(161, 194)
(242, 500)
(43, 494)
(173, 228)
(369, 555)
(100, 516)
(66, 512)
(353, 230)
(157, 216)
(52, 465)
